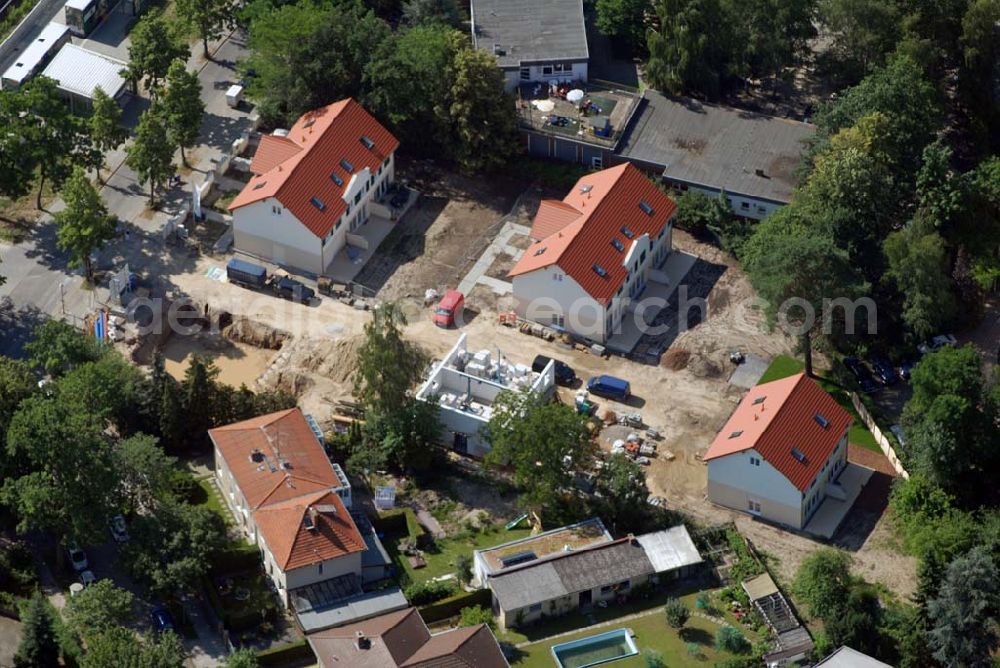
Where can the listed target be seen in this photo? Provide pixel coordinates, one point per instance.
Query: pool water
(594, 650)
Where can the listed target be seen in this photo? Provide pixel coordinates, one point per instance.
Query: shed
(80, 71)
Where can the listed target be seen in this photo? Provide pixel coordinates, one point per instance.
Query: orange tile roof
(272, 151)
(608, 201)
(283, 526)
(401, 639)
(292, 462)
(785, 419)
(553, 215)
(325, 137)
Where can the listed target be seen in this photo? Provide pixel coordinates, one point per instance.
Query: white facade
(464, 386)
(747, 482)
(328, 569)
(268, 230)
(742, 205)
(552, 297)
(549, 72)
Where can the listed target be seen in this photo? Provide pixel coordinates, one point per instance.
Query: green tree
(17, 159)
(963, 624)
(978, 230)
(306, 55)
(918, 263)
(208, 17)
(183, 107)
(242, 658)
(480, 111)
(121, 647)
(796, 271)
(980, 53)
(653, 659)
(692, 50)
(939, 190)
(730, 639)
(56, 347)
(407, 436)
(388, 365)
(823, 581)
(770, 35)
(623, 20)
(199, 393)
(38, 647)
(152, 153)
(677, 613)
(57, 138)
(171, 550)
(105, 125)
(463, 567)
(863, 32)
(16, 384)
(856, 623)
(145, 472)
(623, 489)
(99, 608)
(536, 438)
(700, 214)
(84, 226)
(171, 415)
(475, 615)
(447, 12)
(154, 45)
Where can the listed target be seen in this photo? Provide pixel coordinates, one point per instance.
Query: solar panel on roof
(348, 167)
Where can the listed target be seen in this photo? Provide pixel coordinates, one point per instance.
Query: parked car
(906, 368)
(610, 387)
(289, 288)
(861, 374)
(883, 370)
(77, 557)
(247, 274)
(118, 529)
(937, 343)
(87, 578)
(564, 373)
(162, 620)
(452, 304)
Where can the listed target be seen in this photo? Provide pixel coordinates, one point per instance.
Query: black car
(883, 370)
(861, 374)
(564, 373)
(289, 288)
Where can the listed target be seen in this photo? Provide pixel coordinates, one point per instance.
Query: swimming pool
(593, 650)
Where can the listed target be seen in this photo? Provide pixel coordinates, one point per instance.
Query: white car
(87, 578)
(118, 529)
(937, 343)
(77, 557)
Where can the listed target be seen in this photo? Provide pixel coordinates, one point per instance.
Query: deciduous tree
(918, 263)
(152, 153)
(692, 50)
(388, 365)
(447, 12)
(208, 17)
(623, 20)
(863, 32)
(57, 347)
(84, 226)
(823, 581)
(182, 107)
(105, 125)
(99, 608)
(154, 45)
(122, 647)
(623, 492)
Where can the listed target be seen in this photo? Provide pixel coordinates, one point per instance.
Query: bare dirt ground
(687, 402)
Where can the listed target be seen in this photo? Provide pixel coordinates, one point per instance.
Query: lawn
(209, 498)
(651, 631)
(440, 561)
(783, 366)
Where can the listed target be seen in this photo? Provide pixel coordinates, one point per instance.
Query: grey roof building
(713, 147)
(530, 31)
(845, 657)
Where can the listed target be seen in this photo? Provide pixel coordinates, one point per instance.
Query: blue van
(609, 387)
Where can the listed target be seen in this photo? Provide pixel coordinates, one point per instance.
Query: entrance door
(461, 443)
(586, 598)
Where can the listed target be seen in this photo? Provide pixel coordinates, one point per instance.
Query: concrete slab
(342, 268)
(501, 244)
(832, 511)
(748, 374)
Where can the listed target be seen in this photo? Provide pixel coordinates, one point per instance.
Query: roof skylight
(600, 271)
(336, 179)
(646, 208)
(367, 142)
(619, 246)
(801, 458)
(318, 203)
(627, 232)
(348, 167)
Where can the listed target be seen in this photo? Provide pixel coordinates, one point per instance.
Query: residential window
(385, 162)
(755, 461)
(525, 74)
(597, 162)
(625, 584)
(607, 589)
(357, 198)
(744, 205)
(276, 210)
(321, 568)
(546, 69)
(557, 277)
(537, 607)
(642, 257)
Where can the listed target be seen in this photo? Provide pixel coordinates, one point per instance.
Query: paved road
(26, 32)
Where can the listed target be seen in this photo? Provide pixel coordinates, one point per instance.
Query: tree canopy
(182, 107)
(84, 226)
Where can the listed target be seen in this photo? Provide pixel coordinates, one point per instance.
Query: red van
(450, 306)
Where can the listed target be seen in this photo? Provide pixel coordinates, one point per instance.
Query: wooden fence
(880, 438)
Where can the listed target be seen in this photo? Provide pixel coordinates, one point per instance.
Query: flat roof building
(80, 72)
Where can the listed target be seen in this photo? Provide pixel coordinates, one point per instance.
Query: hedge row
(398, 522)
(286, 656)
(235, 559)
(451, 606)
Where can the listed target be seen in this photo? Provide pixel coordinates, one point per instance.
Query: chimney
(361, 641)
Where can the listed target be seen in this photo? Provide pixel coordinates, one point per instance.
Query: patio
(840, 497)
(361, 245)
(599, 117)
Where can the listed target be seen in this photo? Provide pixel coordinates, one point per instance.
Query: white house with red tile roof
(781, 452)
(312, 187)
(289, 499)
(593, 253)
